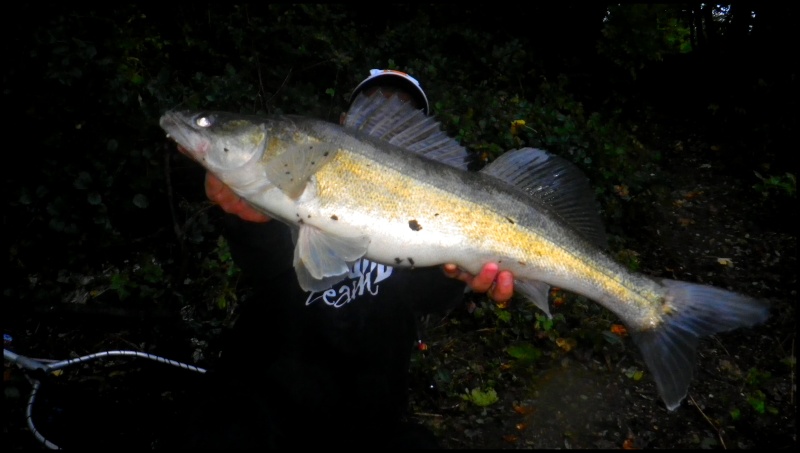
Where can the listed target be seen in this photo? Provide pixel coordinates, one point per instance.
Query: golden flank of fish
(390, 186)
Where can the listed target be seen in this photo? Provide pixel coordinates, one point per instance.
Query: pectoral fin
(291, 170)
(322, 259)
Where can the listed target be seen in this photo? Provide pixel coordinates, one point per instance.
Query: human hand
(499, 286)
(227, 199)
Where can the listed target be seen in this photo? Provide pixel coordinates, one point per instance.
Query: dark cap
(396, 79)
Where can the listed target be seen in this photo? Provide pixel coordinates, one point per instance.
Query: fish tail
(695, 311)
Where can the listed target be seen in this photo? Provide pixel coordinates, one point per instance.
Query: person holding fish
(329, 367)
(364, 207)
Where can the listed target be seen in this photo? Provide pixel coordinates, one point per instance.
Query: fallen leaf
(693, 195)
(522, 410)
(619, 330)
(567, 344)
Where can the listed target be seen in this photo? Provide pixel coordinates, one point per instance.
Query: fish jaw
(190, 141)
(221, 142)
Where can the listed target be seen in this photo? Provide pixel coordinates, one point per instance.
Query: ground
(569, 384)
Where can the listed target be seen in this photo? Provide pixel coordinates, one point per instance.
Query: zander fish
(390, 186)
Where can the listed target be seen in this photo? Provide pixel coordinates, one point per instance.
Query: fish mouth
(169, 121)
(176, 125)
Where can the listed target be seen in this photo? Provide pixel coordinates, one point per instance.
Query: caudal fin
(699, 310)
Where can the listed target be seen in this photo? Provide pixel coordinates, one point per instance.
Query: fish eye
(204, 121)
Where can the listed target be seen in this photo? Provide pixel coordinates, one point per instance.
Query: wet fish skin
(348, 194)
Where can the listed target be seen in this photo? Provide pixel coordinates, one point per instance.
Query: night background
(682, 115)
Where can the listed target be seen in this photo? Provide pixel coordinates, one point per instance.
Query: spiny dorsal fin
(400, 124)
(555, 182)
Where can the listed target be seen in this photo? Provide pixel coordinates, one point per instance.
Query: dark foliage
(109, 227)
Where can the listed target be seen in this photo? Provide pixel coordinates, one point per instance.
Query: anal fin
(537, 292)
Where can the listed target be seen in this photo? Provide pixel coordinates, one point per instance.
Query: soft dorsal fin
(400, 124)
(555, 182)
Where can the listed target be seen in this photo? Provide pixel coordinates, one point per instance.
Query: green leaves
(635, 34)
(481, 398)
(781, 184)
(140, 201)
(524, 352)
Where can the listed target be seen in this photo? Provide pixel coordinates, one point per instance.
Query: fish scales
(397, 197)
(352, 192)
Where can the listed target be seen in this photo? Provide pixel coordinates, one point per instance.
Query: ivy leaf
(94, 198)
(82, 181)
(524, 352)
(481, 398)
(140, 201)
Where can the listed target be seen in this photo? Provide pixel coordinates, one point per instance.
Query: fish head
(220, 141)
